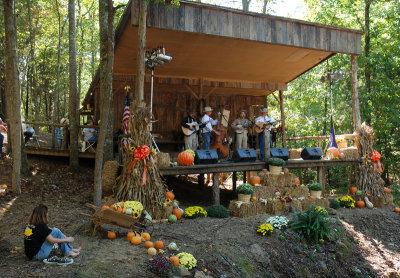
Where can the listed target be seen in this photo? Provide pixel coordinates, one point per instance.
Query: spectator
(90, 134)
(29, 131)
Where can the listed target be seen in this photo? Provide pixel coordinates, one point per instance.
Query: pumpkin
(359, 192)
(332, 153)
(311, 197)
(129, 236)
(104, 207)
(297, 181)
(177, 212)
(174, 260)
(255, 180)
(396, 209)
(172, 218)
(185, 159)
(148, 244)
(136, 240)
(254, 198)
(353, 190)
(111, 235)
(159, 244)
(265, 171)
(387, 190)
(360, 204)
(152, 251)
(120, 210)
(146, 236)
(170, 195)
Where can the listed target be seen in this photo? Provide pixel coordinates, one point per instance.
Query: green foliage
(218, 211)
(395, 188)
(334, 204)
(311, 225)
(315, 186)
(273, 161)
(245, 188)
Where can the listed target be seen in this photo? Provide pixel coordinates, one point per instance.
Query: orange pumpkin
(255, 180)
(396, 209)
(265, 171)
(177, 212)
(353, 190)
(111, 235)
(185, 159)
(174, 260)
(104, 207)
(360, 204)
(119, 210)
(387, 190)
(146, 236)
(159, 244)
(311, 197)
(332, 151)
(129, 236)
(170, 195)
(136, 240)
(297, 181)
(254, 198)
(148, 244)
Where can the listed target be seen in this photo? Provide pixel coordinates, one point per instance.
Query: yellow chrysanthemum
(28, 231)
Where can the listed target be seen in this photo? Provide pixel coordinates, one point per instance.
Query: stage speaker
(244, 155)
(206, 157)
(311, 153)
(280, 153)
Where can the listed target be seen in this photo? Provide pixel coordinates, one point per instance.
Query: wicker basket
(275, 170)
(245, 198)
(342, 144)
(316, 194)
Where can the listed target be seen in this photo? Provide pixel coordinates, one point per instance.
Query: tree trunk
(264, 8)
(73, 107)
(246, 5)
(13, 91)
(140, 66)
(366, 54)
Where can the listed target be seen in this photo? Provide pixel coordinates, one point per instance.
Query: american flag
(125, 116)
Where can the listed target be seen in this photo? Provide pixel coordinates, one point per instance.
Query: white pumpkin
(152, 251)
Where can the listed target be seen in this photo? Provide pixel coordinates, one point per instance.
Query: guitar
(194, 127)
(259, 129)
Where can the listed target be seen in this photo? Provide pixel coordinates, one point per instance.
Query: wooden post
(354, 85)
(215, 189)
(282, 118)
(321, 178)
(234, 180)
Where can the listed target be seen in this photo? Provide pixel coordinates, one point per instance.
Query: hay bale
(380, 201)
(246, 209)
(315, 202)
(109, 177)
(295, 153)
(299, 191)
(158, 213)
(350, 153)
(162, 159)
(276, 206)
(295, 204)
(264, 192)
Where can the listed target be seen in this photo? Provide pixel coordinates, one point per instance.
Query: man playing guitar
(190, 125)
(240, 126)
(263, 124)
(207, 122)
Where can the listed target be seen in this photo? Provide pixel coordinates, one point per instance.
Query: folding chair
(35, 139)
(58, 137)
(88, 145)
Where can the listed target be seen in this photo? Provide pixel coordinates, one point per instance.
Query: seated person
(29, 131)
(90, 134)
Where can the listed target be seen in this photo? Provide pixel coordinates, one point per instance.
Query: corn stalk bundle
(129, 184)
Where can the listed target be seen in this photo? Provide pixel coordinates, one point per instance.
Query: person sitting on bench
(90, 134)
(29, 131)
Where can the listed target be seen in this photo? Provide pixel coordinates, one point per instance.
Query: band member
(207, 122)
(190, 126)
(240, 126)
(264, 124)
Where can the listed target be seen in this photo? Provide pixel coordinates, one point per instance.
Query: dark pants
(1, 142)
(28, 135)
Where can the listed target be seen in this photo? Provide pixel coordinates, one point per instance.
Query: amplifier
(311, 153)
(206, 157)
(244, 155)
(280, 153)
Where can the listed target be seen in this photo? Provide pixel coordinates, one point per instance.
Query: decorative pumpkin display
(368, 204)
(152, 251)
(159, 244)
(255, 180)
(185, 159)
(104, 207)
(297, 181)
(174, 260)
(396, 209)
(170, 195)
(353, 190)
(359, 192)
(332, 153)
(129, 236)
(360, 204)
(177, 212)
(387, 190)
(136, 240)
(172, 218)
(146, 236)
(148, 244)
(111, 235)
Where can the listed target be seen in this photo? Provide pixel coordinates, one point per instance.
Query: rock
(356, 270)
(182, 272)
(259, 254)
(323, 267)
(201, 274)
(332, 211)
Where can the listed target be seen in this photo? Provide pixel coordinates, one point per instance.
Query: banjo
(240, 128)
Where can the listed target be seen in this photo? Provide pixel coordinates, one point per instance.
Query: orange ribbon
(140, 154)
(376, 156)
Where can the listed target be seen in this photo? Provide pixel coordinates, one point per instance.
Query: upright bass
(220, 140)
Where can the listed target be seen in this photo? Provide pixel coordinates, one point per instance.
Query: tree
(13, 91)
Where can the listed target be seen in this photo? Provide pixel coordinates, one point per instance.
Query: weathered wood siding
(218, 21)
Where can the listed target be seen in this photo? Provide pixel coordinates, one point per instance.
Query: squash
(174, 260)
(353, 190)
(170, 195)
(332, 152)
(172, 218)
(254, 180)
(185, 159)
(254, 198)
(104, 207)
(159, 244)
(129, 236)
(360, 204)
(297, 181)
(359, 192)
(136, 240)
(148, 244)
(311, 197)
(146, 236)
(177, 212)
(111, 235)
(396, 209)
(387, 190)
(152, 251)
(368, 203)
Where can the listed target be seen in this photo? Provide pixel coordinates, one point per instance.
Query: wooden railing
(322, 137)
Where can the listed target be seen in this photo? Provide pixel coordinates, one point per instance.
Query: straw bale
(162, 159)
(380, 201)
(263, 192)
(297, 204)
(276, 206)
(350, 153)
(295, 153)
(315, 202)
(161, 212)
(269, 191)
(246, 209)
(110, 174)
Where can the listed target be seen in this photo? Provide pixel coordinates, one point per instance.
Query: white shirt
(265, 119)
(30, 129)
(88, 133)
(208, 126)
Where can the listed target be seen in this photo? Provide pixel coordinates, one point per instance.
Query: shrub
(245, 188)
(334, 204)
(311, 224)
(315, 186)
(161, 266)
(274, 161)
(218, 211)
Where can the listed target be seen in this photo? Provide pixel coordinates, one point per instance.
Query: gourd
(152, 251)
(255, 180)
(359, 192)
(297, 181)
(170, 195)
(396, 209)
(368, 203)
(353, 190)
(146, 236)
(185, 159)
(387, 190)
(159, 244)
(172, 218)
(148, 244)
(136, 240)
(129, 236)
(174, 260)
(177, 212)
(111, 235)
(173, 247)
(360, 204)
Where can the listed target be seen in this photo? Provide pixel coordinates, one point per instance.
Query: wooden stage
(251, 166)
(57, 152)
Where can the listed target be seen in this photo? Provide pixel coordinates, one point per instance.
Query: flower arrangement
(245, 188)
(278, 222)
(320, 210)
(194, 212)
(133, 207)
(187, 260)
(161, 266)
(191, 152)
(315, 186)
(346, 201)
(265, 229)
(274, 161)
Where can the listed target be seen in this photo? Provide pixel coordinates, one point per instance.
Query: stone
(259, 254)
(182, 272)
(201, 274)
(323, 267)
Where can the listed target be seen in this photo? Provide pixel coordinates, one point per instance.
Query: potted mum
(244, 192)
(275, 165)
(315, 189)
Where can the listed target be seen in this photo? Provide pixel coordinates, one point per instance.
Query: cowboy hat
(264, 110)
(63, 120)
(208, 109)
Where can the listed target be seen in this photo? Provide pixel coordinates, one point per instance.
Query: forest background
(42, 32)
